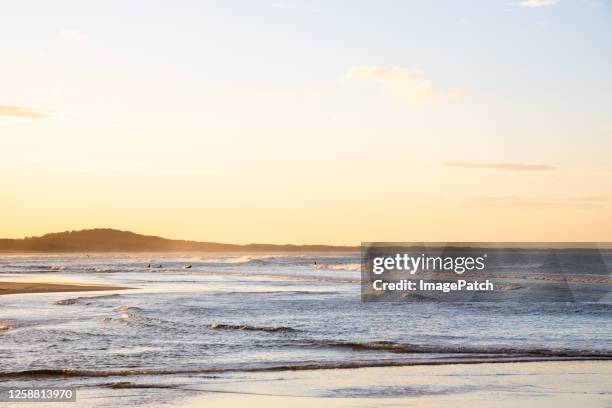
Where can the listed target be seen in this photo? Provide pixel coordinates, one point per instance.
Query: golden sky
(308, 122)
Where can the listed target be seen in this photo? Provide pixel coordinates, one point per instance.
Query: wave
(323, 263)
(126, 314)
(127, 309)
(475, 350)
(70, 301)
(355, 267)
(594, 267)
(129, 385)
(548, 277)
(81, 300)
(59, 373)
(245, 259)
(246, 327)
(284, 276)
(283, 292)
(104, 270)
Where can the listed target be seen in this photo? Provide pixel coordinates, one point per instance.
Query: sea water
(193, 319)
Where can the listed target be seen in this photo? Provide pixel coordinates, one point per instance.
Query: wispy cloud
(406, 84)
(72, 35)
(513, 202)
(537, 3)
(7, 111)
(500, 166)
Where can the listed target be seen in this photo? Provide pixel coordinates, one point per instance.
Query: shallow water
(237, 316)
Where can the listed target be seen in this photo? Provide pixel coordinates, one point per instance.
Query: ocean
(194, 321)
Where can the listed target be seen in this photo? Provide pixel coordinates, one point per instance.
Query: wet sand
(529, 385)
(11, 288)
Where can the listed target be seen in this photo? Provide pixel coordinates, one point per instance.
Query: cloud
(537, 3)
(21, 112)
(500, 166)
(512, 202)
(72, 35)
(406, 84)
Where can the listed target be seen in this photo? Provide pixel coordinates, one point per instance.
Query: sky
(284, 121)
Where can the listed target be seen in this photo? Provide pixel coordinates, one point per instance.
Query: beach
(558, 384)
(586, 384)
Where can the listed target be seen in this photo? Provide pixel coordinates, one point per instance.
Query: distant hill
(112, 240)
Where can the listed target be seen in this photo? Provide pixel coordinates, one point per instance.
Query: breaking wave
(59, 373)
(250, 259)
(129, 385)
(474, 350)
(246, 327)
(356, 267)
(86, 300)
(127, 309)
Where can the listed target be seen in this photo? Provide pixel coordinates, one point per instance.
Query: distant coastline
(113, 240)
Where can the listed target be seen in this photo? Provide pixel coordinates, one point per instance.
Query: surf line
(423, 285)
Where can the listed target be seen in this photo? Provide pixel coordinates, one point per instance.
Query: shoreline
(16, 288)
(560, 384)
